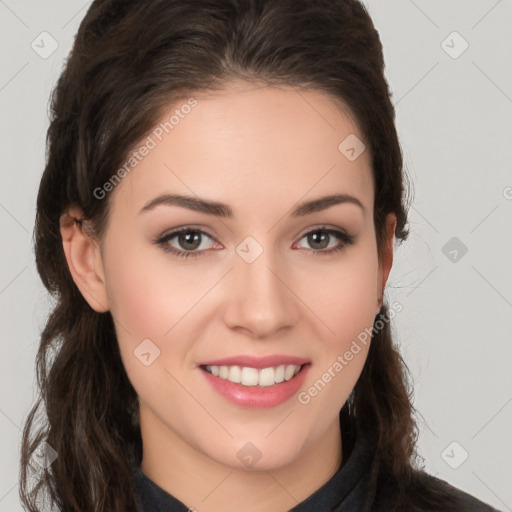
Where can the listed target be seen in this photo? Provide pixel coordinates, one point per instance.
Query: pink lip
(256, 396)
(256, 362)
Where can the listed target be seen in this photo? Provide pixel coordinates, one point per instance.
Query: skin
(262, 150)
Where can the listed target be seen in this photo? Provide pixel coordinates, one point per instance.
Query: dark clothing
(351, 489)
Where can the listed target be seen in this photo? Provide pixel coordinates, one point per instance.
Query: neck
(199, 481)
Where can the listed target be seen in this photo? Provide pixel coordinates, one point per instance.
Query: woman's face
(262, 281)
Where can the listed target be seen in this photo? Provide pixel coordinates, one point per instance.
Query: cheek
(345, 299)
(138, 290)
(343, 295)
(148, 293)
(147, 298)
(345, 302)
(135, 298)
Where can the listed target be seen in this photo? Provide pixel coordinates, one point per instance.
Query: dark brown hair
(130, 60)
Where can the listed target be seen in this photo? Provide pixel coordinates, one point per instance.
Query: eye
(189, 239)
(320, 240)
(192, 242)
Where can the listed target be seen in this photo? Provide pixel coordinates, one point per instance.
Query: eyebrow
(223, 210)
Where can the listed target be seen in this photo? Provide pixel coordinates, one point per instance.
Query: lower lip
(256, 396)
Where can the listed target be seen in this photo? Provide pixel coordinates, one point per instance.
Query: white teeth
(223, 372)
(279, 374)
(266, 377)
(235, 374)
(249, 376)
(253, 377)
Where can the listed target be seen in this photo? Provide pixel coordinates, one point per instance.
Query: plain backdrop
(449, 66)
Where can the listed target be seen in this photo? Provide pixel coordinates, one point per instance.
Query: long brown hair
(129, 61)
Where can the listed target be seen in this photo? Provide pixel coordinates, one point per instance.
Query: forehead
(247, 141)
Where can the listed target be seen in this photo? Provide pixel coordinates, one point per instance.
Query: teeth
(254, 377)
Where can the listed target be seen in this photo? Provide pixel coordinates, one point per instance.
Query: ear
(386, 260)
(84, 259)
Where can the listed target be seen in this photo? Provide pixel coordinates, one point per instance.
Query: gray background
(454, 116)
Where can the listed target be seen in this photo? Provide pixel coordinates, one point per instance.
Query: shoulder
(456, 499)
(426, 493)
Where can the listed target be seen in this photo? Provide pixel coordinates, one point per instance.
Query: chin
(255, 456)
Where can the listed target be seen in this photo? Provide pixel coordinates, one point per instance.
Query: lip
(256, 362)
(256, 397)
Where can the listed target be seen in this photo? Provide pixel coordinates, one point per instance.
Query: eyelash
(346, 239)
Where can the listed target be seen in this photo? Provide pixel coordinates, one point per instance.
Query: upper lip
(256, 362)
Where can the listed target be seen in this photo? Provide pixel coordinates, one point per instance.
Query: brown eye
(185, 242)
(327, 241)
(189, 240)
(319, 239)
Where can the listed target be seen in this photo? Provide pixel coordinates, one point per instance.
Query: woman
(216, 222)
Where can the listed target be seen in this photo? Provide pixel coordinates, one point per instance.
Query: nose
(260, 301)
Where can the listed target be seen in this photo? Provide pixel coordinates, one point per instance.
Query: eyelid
(185, 227)
(171, 233)
(320, 227)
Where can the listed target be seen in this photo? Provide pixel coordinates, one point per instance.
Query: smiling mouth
(255, 377)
